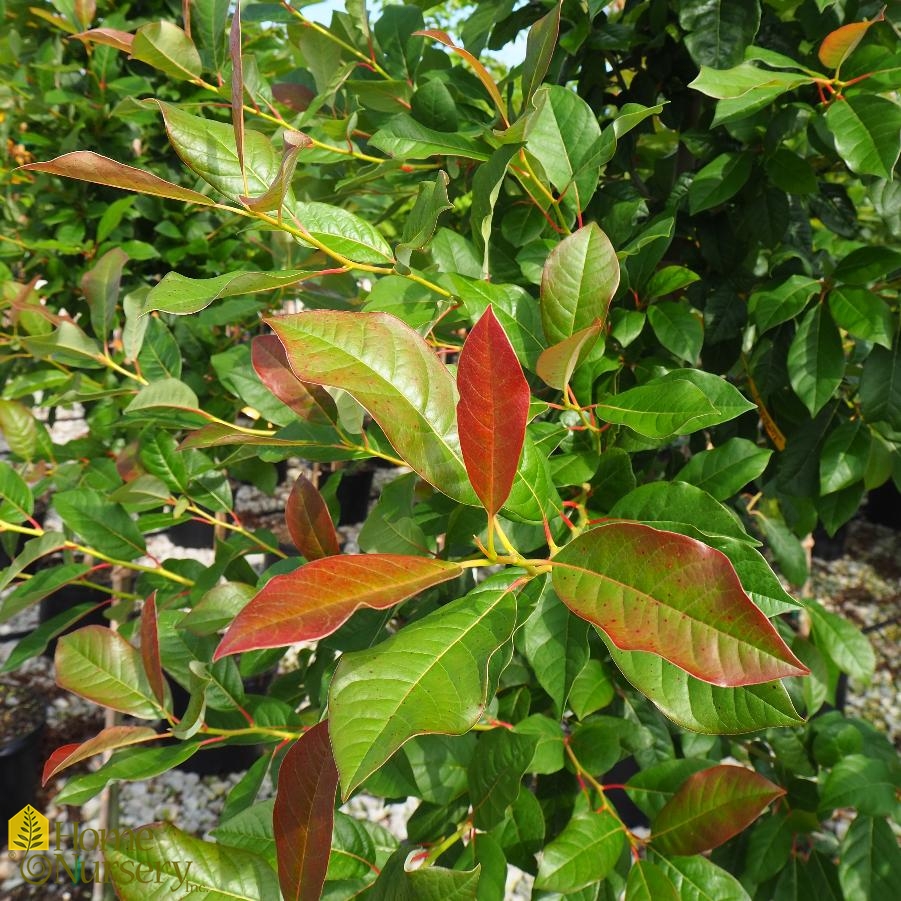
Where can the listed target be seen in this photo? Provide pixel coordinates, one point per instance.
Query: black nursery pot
(193, 534)
(65, 599)
(21, 726)
(353, 496)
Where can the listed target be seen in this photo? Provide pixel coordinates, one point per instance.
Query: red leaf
(319, 598)
(304, 814)
(711, 807)
(310, 402)
(492, 411)
(309, 522)
(107, 740)
(84, 165)
(111, 37)
(838, 45)
(150, 650)
(674, 596)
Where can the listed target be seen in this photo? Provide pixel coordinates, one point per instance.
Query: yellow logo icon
(29, 831)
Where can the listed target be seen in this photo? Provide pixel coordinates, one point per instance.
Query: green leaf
(390, 527)
(681, 409)
(419, 228)
(208, 24)
(101, 288)
(333, 589)
(341, 231)
(555, 643)
(723, 471)
(862, 313)
(404, 138)
(303, 814)
(84, 165)
(773, 306)
(674, 596)
(647, 882)
(843, 642)
(718, 181)
(867, 131)
(701, 707)
(583, 854)
(209, 149)
(880, 386)
(16, 498)
(746, 81)
(495, 774)
(486, 186)
(668, 280)
(167, 394)
(103, 667)
(557, 364)
(816, 361)
(109, 739)
(540, 44)
(769, 847)
(719, 30)
(870, 865)
(579, 279)
(678, 329)
(391, 371)
(166, 47)
(711, 807)
(432, 676)
(104, 525)
(181, 295)
(218, 872)
(861, 782)
(433, 883)
(19, 428)
(250, 829)
(68, 345)
(33, 550)
(843, 459)
(699, 879)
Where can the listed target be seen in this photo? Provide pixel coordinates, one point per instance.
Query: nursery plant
(612, 315)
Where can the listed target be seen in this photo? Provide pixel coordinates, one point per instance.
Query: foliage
(616, 312)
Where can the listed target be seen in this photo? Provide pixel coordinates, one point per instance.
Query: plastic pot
(67, 598)
(22, 718)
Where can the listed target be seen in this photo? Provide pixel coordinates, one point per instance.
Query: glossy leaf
(540, 44)
(816, 362)
(109, 739)
(405, 138)
(103, 667)
(431, 202)
(583, 854)
(699, 879)
(845, 644)
(719, 31)
(166, 47)
(678, 329)
(84, 165)
(867, 132)
(109, 37)
(150, 653)
(102, 524)
(310, 402)
(220, 873)
(101, 288)
(340, 230)
(16, 498)
(880, 386)
(673, 596)
(495, 774)
(315, 600)
(723, 471)
(181, 295)
(34, 549)
(303, 814)
(861, 313)
(718, 181)
(391, 371)
(309, 521)
(843, 459)
(773, 306)
(492, 411)
(712, 806)
(433, 883)
(165, 393)
(870, 865)
(745, 80)
(861, 782)
(699, 706)
(647, 882)
(431, 676)
(19, 428)
(579, 279)
(838, 45)
(557, 364)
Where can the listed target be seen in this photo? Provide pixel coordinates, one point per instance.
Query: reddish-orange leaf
(111, 37)
(311, 403)
(84, 165)
(711, 807)
(309, 522)
(674, 596)
(319, 598)
(838, 45)
(304, 813)
(150, 650)
(107, 740)
(492, 411)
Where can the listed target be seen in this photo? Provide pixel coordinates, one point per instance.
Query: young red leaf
(556, 364)
(150, 650)
(319, 598)
(674, 596)
(84, 165)
(838, 45)
(309, 522)
(270, 362)
(304, 813)
(111, 37)
(492, 411)
(108, 740)
(711, 807)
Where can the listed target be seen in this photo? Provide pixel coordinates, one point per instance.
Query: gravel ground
(863, 585)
